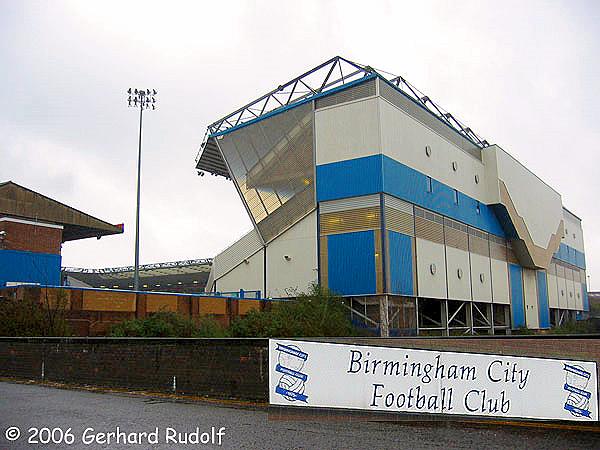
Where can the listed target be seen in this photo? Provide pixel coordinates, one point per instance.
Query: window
(455, 196)
(429, 185)
(478, 208)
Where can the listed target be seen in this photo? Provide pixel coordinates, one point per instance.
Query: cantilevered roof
(20, 202)
(174, 276)
(333, 75)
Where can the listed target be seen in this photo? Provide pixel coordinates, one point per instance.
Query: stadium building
(363, 184)
(187, 276)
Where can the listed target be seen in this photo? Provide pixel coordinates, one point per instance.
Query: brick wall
(91, 312)
(31, 238)
(221, 368)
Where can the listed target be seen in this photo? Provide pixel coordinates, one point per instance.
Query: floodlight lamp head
(154, 92)
(129, 91)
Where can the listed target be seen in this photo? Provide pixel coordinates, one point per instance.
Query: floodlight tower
(144, 99)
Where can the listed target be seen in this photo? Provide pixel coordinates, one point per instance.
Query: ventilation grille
(347, 95)
(457, 239)
(479, 246)
(497, 251)
(399, 221)
(449, 223)
(419, 212)
(392, 95)
(324, 262)
(366, 201)
(360, 219)
(287, 214)
(400, 205)
(272, 164)
(429, 230)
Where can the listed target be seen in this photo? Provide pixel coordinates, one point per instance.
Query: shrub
(32, 317)
(316, 313)
(168, 324)
(575, 327)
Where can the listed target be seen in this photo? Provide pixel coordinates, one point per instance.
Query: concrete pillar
(384, 322)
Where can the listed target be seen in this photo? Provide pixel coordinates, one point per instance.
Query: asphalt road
(26, 406)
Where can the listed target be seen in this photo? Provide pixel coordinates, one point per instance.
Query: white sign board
(318, 374)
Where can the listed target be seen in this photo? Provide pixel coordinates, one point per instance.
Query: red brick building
(33, 228)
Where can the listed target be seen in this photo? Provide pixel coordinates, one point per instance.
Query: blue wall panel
(586, 300)
(580, 259)
(351, 263)
(29, 267)
(401, 263)
(411, 185)
(351, 178)
(570, 255)
(517, 307)
(543, 308)
(379, 173)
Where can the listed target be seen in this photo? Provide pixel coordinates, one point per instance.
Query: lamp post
(143, 99)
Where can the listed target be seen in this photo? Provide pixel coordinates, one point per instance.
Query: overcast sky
(524, 75)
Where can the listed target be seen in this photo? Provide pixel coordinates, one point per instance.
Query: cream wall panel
(229, 258)
(286, 278)
(532, 318)
(347, 131)
(249, 277)
(482, 290)
(573, 231)
(578, 297)
(458, 288)
(571, 297)
(537, 203)
(431, 285)
(553, 294)
(562, 293)
(500, 286)
(403, 138)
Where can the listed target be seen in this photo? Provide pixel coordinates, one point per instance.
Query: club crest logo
(290, 361)
(576, 381)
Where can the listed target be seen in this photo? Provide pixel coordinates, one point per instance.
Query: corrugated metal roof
(21, 202)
